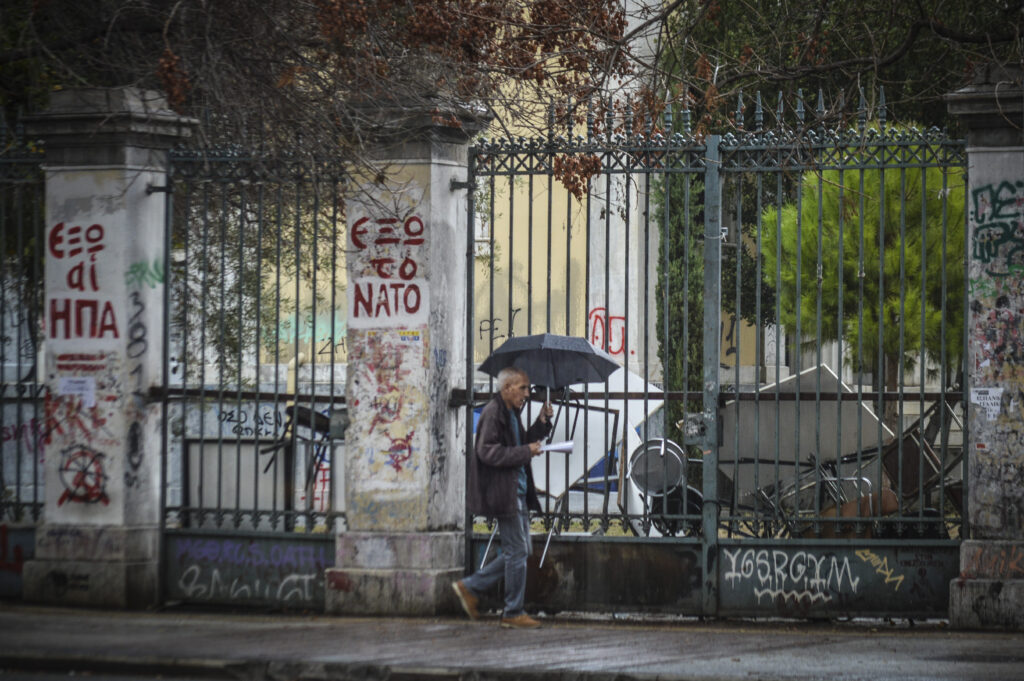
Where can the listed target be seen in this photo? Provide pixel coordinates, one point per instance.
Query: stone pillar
(404, 463)
(990, 590)
(103, 349)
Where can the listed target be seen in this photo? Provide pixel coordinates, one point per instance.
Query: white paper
(988, 399)
(564, 447)
(84, 387)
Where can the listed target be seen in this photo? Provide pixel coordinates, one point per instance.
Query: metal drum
(657, 467)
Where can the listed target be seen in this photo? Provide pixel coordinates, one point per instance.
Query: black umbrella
(552, 361)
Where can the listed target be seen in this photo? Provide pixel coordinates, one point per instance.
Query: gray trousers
(510, 563)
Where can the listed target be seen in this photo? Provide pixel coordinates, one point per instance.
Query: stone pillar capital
(991, 107)
(107, 126)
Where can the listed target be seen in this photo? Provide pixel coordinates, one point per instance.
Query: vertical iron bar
(819, 295)
(470, 313)
(5, 277)
(238, 355)
(165, 377)
(840, 299)
(222, 344)
(258, 347)
(279, 455)
(335, 469)
(297, 455)
(759, 354)
(205, 246)
(712, 350)
(312, 467)
(738, 312)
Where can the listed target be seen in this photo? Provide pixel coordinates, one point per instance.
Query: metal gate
(787, 303)
(256, 397)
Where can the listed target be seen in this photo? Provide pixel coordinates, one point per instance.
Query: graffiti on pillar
(997, 298)
(997, 211)
(385, 365)
(996, 351)
(387, 287)
(999, 333)
(82, 424)
(83, 478)
(83, 311)
(78, 417)
(145, 274)
(139, 277)
(607, 331)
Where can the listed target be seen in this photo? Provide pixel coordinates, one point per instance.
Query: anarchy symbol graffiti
(81, 472)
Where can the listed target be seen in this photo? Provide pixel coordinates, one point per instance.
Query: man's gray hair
(507, 374)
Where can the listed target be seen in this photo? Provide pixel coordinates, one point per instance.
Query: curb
(275, 670)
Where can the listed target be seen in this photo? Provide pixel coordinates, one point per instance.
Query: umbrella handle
(561, 403)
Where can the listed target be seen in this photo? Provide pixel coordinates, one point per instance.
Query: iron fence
(23, 420)
(787, 303)
(256, 349)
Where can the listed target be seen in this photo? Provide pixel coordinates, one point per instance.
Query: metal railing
(23, 419)
(794, 359)
(256, 350)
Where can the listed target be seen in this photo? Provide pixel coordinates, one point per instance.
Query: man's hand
(546, 412)
(535, 448)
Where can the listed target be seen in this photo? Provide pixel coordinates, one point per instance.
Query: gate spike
(739, 110)
(881, 106)
(569, 126)
(758, 113)
(862, 112)
(609, 121)
(687, 130)
(629, 121)
(551, 122)
(667, 115)
(779, 111)
(821, 105)
(590, 120)
(800, 106)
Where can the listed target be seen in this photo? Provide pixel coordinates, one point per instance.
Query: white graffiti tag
(195, 584)
(790, 577)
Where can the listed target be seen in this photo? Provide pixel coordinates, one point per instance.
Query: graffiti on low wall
(280, 572)
(801, 581)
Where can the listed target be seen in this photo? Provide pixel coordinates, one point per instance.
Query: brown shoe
(466, 598)
(522, 621)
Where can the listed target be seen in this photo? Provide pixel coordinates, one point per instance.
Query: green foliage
(680, 290)
(918, 51)
(901, 227)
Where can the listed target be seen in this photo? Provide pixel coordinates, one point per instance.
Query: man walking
(501, 487)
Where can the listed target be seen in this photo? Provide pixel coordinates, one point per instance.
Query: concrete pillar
(990, 590)
(103, 348)
(404, 463)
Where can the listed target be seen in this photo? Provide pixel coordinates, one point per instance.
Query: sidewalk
(174, 643)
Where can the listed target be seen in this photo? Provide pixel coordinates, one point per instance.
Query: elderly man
(501, 486)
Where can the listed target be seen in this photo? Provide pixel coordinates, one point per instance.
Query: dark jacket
(494, 465)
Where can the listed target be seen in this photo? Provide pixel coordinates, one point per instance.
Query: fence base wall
(386, 573)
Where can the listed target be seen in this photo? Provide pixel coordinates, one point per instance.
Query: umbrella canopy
(552, 361)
